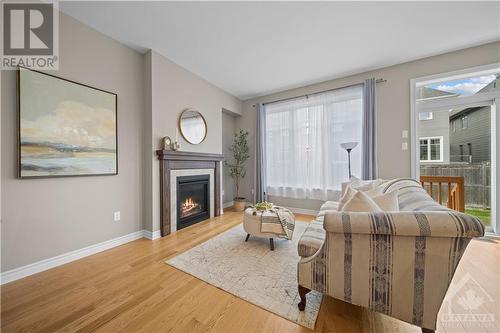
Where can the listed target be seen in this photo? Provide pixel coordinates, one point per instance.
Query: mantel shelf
(187, 156)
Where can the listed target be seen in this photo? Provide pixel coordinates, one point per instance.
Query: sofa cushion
(388, 201)
(312, 239)
(360, 202)
(329, 205)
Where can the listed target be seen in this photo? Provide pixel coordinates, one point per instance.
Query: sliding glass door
(454, 140)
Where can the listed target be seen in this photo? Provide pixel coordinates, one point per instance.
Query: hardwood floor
(130, 288)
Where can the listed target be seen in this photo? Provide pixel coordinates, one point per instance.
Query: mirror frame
(180, 127)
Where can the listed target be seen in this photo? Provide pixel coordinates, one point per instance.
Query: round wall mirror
(193, 126)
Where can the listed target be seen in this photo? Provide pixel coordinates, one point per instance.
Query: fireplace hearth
(193, 200)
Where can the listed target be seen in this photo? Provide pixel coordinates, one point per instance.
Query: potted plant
(237, 169)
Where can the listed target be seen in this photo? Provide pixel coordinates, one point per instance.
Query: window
(431, 149)
(453, 126)
(464, 122)
(303, 136)
(469, 85)
(425, 116)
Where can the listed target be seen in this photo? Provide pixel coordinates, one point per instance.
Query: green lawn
(483, 214)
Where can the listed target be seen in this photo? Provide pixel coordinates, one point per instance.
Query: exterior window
(299, 165)
(464, 121)
(431, 149)
(425, 116)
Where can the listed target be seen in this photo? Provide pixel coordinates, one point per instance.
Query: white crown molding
(43, 265)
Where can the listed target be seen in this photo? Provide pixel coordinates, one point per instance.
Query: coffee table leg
(248, 236)
(271, 242)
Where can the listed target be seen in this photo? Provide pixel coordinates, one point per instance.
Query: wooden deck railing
(455, 190)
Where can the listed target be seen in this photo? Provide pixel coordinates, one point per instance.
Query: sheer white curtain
(303, 137)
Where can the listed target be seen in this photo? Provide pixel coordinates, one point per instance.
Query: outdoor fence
(477, 181)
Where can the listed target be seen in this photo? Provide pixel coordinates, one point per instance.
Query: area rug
(251, 271)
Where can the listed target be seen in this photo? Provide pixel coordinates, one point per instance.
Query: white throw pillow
(388, 202)
(365, 185)
(360, 202)
(349, 192)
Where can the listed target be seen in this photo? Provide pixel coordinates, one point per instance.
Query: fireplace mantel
(177, 160)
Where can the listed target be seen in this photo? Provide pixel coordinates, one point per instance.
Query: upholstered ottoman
(252, 222)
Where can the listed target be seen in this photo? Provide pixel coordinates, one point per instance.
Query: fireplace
(193, 200)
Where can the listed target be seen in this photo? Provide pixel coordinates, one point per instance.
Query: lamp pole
(349, 161)
(349, 146)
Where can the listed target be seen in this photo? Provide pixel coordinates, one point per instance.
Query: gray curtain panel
(369, 147)
(260, 154)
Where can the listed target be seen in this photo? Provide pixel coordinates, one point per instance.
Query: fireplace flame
(188, 206)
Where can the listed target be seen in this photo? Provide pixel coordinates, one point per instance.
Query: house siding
(477, 133)
(435, 127)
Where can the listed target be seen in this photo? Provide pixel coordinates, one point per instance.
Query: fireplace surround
(176, 164)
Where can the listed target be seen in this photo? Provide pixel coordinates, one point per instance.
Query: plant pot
(239, 204)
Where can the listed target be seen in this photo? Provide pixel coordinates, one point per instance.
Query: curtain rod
(381, 80)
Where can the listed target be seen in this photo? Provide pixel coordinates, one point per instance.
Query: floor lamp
(349, 146)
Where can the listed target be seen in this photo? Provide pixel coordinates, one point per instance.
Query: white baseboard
(43, 265)
(152, 235)
(228, 204)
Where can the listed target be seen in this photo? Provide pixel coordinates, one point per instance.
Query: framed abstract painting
(65, 128)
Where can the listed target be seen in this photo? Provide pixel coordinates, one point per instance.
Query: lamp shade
(349, 145)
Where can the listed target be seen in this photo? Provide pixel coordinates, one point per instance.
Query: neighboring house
(433, 129)
(470, 135)
(470, 131)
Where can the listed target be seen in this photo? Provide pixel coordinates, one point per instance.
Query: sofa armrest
(446, 223)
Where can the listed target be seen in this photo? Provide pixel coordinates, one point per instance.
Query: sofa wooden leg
(271, 243)
(302, 293)
(248, 236)
(426, 330)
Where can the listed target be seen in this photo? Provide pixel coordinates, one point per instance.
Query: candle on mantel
(176, 134)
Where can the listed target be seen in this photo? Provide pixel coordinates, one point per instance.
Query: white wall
(173, 89)
(393, 107)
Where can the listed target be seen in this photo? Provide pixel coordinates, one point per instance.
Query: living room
(250, 166)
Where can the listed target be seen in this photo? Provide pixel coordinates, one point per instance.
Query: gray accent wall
(172, 89)
(43, 218)
(393, 105)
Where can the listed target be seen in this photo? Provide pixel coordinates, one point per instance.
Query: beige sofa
(397, 263)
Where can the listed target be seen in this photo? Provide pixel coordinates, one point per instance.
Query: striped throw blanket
(277, 220)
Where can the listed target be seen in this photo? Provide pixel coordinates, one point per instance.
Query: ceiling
(251, 49)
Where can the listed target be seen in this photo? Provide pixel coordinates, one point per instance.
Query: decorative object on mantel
(193, 126)
(181, 160)
(65, 128)
(250, 271)
(167, 144)
(348, 146)
(237, 169)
